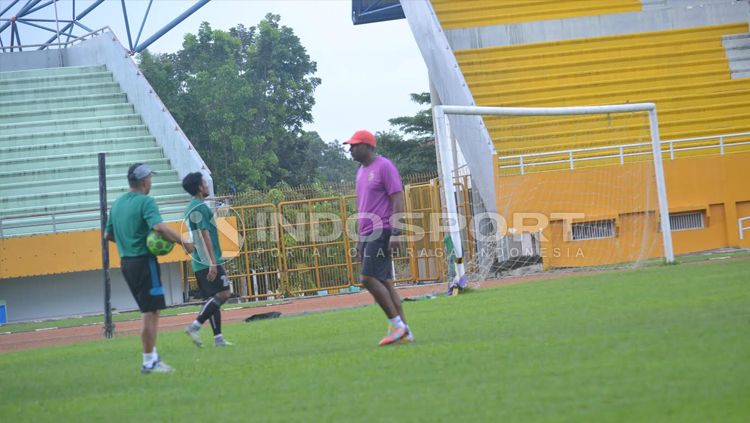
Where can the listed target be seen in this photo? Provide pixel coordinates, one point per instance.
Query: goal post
(443, 138)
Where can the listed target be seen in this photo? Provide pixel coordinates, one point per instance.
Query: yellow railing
(306, 247)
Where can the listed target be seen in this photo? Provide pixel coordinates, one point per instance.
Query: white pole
(446, 160)
(742, 227)
(547, 111)
(661, 186)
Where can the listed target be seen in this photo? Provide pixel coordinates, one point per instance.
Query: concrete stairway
(53, 122)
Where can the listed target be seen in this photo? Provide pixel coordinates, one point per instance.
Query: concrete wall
(715, 185)
(79, 293)
(29, 60)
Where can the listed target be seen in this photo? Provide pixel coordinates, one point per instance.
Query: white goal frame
(443, 138)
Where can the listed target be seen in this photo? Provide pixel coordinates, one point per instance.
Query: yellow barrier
(297, 248)
(64, 252)
(316, 252)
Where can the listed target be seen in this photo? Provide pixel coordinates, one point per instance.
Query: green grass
(668, 343)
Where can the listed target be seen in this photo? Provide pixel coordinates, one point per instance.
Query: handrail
(58, 218)
(523, 163)
(31, 215)
(66, 43)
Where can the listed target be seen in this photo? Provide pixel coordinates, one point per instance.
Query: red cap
(362, 137)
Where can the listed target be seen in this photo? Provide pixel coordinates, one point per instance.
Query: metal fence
(306, 246)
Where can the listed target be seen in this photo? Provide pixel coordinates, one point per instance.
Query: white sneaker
(195, 335)
(157, 367)
(221, 342)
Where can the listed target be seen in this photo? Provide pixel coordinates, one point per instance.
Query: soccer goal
(574, 187)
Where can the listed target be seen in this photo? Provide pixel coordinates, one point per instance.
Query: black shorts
(375, 255)
(211, 288)
(144, 280)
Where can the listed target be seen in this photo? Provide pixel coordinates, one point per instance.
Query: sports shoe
(221, 342)
(157, 367)
(193, 333)
(394, 336)
(409, 335)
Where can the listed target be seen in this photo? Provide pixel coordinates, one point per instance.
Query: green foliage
(662, 344)
(409, 156)
(414, 153)
(419, 126)
(241, 97)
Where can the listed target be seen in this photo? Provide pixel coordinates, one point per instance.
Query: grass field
(670, 343)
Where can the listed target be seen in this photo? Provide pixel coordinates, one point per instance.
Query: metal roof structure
(22, 22)
(370, 11)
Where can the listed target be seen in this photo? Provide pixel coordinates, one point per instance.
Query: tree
(335, 164)
(409, 156)
(415, 154)
(419, 126)
(242, 98)
(319, 161)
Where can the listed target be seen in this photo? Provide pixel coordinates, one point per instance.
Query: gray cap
(139, 171)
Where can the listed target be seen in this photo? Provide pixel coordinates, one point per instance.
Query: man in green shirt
(132, 217)
(206, 260)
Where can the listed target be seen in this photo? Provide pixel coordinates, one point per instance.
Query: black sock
(211, 307)
(215, 321)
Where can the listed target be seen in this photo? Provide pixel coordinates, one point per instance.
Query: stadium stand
(53, 122)
(685, 72)
(58, 110)
(689, 57)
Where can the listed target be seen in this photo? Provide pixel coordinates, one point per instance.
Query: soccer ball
(157, 244)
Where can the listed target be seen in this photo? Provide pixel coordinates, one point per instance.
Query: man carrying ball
(132, 217)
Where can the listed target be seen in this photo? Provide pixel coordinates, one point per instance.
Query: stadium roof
(370, 11)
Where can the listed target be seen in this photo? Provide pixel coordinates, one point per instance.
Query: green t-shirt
(199, 217)
(131, 218)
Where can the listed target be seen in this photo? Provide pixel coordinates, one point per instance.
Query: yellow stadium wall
(67, 252)
(716, 185)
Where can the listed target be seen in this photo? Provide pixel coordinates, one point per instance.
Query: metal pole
(145, 16)
(59, 48)
(127, 25)
(661, 187)
(77, 18)
(109, 328)
(169, 26)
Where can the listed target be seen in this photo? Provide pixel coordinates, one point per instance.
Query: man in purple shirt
(379, 198)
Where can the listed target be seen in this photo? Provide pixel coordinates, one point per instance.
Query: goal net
(574, 187)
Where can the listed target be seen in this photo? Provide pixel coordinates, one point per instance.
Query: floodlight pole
(109, 328)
